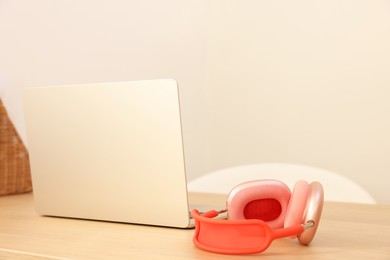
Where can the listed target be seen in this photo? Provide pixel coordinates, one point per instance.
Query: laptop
(108, 151)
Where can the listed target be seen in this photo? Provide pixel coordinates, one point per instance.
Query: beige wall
(48, 42)
(303, 82)
(261, 81)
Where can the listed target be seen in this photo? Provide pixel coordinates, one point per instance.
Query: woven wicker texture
(15, 174)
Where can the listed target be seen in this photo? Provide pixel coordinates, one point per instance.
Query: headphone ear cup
(297, 205)
(266, 200)
(313, 211)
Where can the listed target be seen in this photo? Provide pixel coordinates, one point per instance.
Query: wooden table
(347, 231)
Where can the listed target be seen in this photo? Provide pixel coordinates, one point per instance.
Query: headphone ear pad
(297, 205)
(266, 200)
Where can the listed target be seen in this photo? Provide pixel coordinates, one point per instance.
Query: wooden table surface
(347, 231)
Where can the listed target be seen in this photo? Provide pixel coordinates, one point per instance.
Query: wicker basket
(15, 174)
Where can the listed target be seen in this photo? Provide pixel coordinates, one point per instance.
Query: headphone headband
(237, 236)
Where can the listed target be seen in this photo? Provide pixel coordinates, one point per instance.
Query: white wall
(303, 82)
(52, 42)
(261, 81)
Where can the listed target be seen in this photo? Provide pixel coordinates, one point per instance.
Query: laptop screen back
(108, 151)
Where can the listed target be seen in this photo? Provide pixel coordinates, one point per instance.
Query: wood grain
(347, 231)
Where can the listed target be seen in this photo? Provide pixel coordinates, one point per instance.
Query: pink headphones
(259, 212)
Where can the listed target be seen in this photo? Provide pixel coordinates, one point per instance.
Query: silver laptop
(108, 151)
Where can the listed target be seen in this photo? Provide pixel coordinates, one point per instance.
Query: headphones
(258, 212)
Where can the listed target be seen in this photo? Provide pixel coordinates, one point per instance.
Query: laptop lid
(108, 151)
